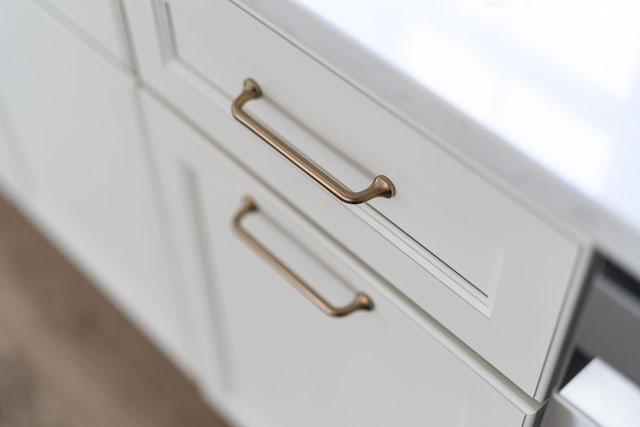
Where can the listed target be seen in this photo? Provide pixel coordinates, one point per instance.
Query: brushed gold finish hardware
(360, 302)
(380, 187)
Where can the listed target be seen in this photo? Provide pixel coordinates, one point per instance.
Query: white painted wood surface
(75, 119)
(514, 101)
(13, 174)
(100, 21)
(489, 270)
(279, 358)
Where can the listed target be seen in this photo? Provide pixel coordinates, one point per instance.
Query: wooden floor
(68, 358)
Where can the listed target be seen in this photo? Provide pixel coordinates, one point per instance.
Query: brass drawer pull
(380, 187)
(360, 302)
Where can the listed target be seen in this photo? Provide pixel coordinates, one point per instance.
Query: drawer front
(101, 20)
(485, 267)
(284, 361)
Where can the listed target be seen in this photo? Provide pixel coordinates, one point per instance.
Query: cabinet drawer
(100, 20)
(284, 361)
(489, 270)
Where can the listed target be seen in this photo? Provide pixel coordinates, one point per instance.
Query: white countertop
(545, 94)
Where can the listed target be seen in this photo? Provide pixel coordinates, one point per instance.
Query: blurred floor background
(68, 358)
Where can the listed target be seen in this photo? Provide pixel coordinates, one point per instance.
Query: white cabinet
(279, 360)
(472, 288)
(74, 117)
(488, 269)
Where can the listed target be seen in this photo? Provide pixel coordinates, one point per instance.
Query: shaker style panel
(73, 121)
(482, 264)
(282, 359)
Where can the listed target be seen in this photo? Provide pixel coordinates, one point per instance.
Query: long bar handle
(360, 302)
(380, 187)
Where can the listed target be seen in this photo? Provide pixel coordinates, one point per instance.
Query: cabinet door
(75, 119)
(280, 361)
